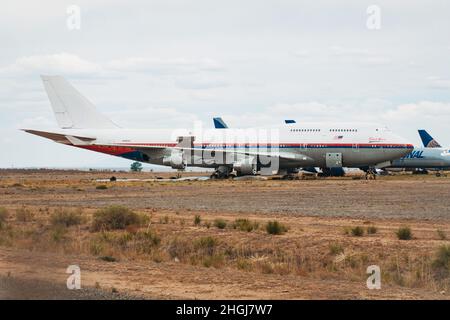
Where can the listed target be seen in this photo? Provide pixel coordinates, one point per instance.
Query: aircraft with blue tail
(427, 140)
(430, 157)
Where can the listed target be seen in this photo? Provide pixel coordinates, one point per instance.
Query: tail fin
(219, 123)
(427, 140)
(71, 109)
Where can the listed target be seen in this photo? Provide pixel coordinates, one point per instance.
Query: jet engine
(175, 160)
(246, 166)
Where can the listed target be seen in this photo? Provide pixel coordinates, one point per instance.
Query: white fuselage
(424, 158)
(299, 145)
(244, 151)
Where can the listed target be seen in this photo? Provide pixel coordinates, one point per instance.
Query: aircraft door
(186, 142)
(334, 160)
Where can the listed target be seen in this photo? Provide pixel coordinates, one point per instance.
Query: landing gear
(222, 172)
(420, 171)
(332, 172)
(289, 174)
(440, 173)
(371, 174)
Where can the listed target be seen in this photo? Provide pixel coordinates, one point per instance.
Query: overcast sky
(149, 64)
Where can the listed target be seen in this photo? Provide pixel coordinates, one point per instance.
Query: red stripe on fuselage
(120, 150)
(112, 150)
(278, 144)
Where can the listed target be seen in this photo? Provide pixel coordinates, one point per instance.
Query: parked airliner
(430, 157)
(229, 151)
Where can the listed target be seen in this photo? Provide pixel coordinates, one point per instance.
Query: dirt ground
(318, 257)
(404, 196)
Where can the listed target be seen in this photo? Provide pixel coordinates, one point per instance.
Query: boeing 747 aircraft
(229, 151)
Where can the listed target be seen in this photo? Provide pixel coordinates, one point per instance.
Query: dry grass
(220, 223)
(371, 230)
(67, 217)
(357, 231)
(442, 261)
(316, 252)
(24, 215)
(124, 243)
(275, 228)
(115, 217)
(3, 217)
(313, 248)
(441, 234)
(245, 225)
(336, 248)
(404, 233)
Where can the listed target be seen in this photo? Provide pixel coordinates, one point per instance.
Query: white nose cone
(401, 144)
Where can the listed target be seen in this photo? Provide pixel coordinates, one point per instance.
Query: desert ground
(222, 239)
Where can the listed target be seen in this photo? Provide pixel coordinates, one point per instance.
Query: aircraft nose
(405, 146)
(402, 141)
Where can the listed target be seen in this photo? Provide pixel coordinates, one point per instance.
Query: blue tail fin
(219, 123)
(288, 121)
(427, 140)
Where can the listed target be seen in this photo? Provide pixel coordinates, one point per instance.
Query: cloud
(73, 65)
(359, 55)
(153, 117)
(423, 111)
(36, 122)
(378, 111)
(164, 66)
(291, 60)
(302, 53)
(59, 63)
(317, 111)
(201, 82)
(439, 83)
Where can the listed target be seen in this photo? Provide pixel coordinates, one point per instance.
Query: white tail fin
(71, 109)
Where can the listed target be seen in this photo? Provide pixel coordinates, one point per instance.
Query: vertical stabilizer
(72, 110)
(219, 123)
(427, 140)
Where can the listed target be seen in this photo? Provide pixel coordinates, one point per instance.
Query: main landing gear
(222, 172)
(371, 174)
(440, 173)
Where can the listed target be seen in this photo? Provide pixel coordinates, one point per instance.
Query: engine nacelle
(175, 160)
(246, 166)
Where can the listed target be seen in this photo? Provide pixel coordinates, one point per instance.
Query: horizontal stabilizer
(61, 138)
